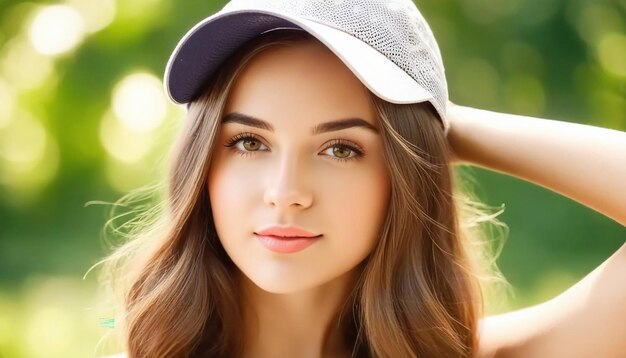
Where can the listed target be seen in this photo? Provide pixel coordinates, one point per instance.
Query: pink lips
(286, 239)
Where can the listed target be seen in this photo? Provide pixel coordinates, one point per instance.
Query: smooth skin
(586, 164)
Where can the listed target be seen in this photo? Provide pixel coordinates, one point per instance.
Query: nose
(288, 185)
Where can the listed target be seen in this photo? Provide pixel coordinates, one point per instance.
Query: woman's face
(332, 182)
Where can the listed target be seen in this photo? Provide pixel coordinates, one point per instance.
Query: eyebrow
(236, 117)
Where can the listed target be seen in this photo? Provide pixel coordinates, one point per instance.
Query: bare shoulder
(587, 320)
(508, 333)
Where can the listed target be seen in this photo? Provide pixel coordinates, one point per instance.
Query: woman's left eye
(341, 149)
(338, 149)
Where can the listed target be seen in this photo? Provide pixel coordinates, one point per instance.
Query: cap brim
(210, 42)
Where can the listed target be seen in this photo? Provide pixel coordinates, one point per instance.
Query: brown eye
(341, 152)
(251, 144)
(245, 144)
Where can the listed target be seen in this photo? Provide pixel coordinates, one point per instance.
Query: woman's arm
(586, 164)
(587, 320)
(582, 162)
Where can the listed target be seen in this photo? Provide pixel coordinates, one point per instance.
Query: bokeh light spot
(23, 141)
(594, 19)
(48, 332)
(611, 53)
(97, 14)
(56, 29)
(121, 143)
(124, 177)
(139, 102)
(23, 67)
(7, 103)
(29, 157)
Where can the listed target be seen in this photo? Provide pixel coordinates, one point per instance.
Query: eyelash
(334, 143)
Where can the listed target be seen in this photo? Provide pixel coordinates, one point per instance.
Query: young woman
(306, 216)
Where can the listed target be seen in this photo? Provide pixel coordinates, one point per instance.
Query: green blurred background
(83, 117)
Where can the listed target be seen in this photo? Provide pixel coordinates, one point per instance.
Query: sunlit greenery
(83, 117)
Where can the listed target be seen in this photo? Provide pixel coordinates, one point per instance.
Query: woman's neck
(299, 324)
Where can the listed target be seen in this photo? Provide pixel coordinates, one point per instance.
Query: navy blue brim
(206, 49)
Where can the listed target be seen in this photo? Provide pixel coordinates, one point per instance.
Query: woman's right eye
(249, 144)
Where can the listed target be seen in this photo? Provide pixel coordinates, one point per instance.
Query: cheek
(356, 206)
(231, 196)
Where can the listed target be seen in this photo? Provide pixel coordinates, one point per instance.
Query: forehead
(299, 85)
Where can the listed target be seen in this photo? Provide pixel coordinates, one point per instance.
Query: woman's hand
(451, 116)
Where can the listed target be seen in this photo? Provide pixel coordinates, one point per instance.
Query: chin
(281, 287)
(277, 283)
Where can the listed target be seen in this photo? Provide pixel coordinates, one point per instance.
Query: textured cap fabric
(387, 44)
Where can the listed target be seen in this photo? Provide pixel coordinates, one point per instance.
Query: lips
(286, 245)
(286, 239)
(287, 232)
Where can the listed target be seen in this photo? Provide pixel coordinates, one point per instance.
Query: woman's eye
(341, 152)
(244, 144)
(251, 144)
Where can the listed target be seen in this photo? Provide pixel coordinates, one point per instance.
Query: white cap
(387, 44)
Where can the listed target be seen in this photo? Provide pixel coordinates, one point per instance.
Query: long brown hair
(420, 291)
